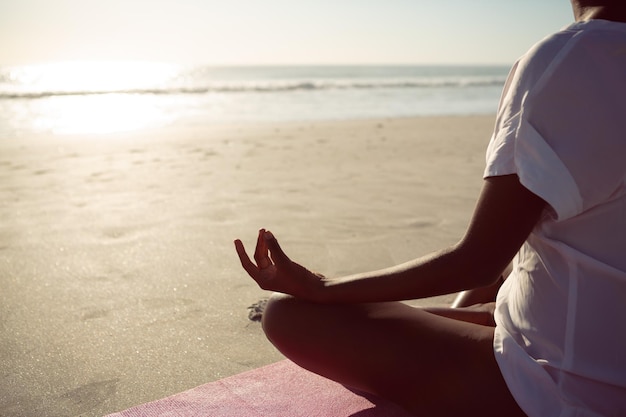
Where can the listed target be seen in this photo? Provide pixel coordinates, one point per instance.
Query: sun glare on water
(95, 97)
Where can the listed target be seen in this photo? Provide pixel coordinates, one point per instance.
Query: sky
(276, 32)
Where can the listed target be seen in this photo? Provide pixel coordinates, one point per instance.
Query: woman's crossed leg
(430, 364)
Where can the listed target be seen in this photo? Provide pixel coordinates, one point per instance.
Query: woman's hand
(274, 271)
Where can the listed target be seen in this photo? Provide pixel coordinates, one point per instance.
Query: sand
(119, 281)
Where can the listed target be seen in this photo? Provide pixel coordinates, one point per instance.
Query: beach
(120, 283)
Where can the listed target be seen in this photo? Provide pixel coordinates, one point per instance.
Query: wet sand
(120, 284)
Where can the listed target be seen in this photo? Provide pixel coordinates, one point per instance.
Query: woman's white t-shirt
(560, 339)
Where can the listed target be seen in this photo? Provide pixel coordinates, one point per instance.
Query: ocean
(108, 97)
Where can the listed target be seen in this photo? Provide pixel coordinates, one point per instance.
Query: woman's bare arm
(504, 217)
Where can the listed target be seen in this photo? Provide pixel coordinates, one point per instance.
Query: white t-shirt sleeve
(543, 133)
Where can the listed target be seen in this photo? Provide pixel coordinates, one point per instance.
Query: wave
(270, 87)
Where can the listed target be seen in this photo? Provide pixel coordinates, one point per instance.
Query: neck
(614, 10)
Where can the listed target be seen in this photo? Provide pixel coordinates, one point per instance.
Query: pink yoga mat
(279, 390)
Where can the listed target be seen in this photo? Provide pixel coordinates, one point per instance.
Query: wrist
(318, 287)
(319, 290)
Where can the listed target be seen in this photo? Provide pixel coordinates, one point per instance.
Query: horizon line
(264, 64)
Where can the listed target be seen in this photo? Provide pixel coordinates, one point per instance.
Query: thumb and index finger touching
(276, 252)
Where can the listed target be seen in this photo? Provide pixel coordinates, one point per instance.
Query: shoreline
(120, 281)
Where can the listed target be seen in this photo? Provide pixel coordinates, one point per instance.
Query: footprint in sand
(256, 310)
(89, 396)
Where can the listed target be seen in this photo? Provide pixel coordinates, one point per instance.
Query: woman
(554, 201)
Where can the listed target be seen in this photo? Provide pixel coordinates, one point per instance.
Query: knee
(288, 321)
(278, 316)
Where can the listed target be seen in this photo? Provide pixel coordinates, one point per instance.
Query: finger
(261, 254)
(260, 251)
(246, 263)
(276, 252)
